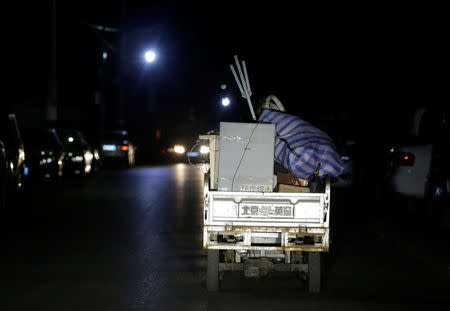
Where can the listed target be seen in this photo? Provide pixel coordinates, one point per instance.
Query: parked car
(79, 159)
(117, 148)
(13, 154)
(418, 167)
(45, 154)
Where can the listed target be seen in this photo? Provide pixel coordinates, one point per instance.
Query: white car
(420, 168)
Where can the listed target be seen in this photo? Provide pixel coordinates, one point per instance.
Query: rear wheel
(314, 276)
(212, 273)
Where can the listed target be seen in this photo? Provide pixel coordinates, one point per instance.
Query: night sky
(353, 69)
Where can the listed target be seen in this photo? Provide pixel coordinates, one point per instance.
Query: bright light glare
(88, 156)
(45, 161)
(77, 159)
(70, 139)
(204, 149)
(179, 149)
(225, 101)
(150, 56)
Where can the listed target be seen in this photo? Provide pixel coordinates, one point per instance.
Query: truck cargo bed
(266, 220)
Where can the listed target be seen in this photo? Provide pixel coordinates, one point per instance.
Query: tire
(212, 271)
(314, 275)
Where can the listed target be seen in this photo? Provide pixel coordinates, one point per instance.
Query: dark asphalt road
(131, 240)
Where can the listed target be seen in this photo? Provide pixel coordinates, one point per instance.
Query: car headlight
(21, 154)
(204, 149)
(77, 159)
(88, 156)
(45, 161)
(179, 149)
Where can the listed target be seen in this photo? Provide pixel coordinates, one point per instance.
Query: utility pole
(123, 63)
(51, 105)
(99, 98)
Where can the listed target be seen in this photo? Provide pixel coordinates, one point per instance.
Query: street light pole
(51, 108)
(123, 61)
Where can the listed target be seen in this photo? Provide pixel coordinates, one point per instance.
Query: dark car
(13, 156)
(118, 149)
(175, 152)
(45, 155)
(176, 148)
(79, 155)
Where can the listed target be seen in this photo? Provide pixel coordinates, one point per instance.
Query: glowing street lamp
(150, 56)
(225, 101)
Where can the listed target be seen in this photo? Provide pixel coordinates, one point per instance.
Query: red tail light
(124, 148)
(405, 159)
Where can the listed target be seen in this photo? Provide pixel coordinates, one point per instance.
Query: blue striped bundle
(300, 147)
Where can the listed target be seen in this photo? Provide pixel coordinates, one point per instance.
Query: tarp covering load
(300, 147)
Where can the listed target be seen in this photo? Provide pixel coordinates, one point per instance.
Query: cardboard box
(290, 188)
(290, 179)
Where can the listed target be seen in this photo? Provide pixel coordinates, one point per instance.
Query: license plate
(266, 210)
(109, 147)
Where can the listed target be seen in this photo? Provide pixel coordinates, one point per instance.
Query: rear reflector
(405, 159)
